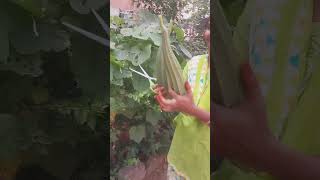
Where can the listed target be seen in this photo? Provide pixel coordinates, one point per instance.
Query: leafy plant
(139, 129)
(53, 87)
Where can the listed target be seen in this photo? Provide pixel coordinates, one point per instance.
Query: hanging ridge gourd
(168, 70)
(226, 80)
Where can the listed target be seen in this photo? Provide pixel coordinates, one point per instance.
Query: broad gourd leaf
(156, 38)
(88, 62)
(140, 83)
(51, 38)
(126, 31)
(137, 133)
(145, 53)
(136, 54)
(153, 117)
(118, 75)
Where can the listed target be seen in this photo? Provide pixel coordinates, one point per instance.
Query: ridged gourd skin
(226, 72)
(168, 70)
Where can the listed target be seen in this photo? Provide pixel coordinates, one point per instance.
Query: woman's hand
(173, 102)
(176, 102)
(241, 133)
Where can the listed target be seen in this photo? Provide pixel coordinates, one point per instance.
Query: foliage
(139, 129)
(171, 9)
(200, 9)
(53, 87)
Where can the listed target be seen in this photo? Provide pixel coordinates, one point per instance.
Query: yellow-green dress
(279, 39)
(189, 154)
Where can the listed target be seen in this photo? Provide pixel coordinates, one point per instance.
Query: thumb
(250, 83)
(188, 88)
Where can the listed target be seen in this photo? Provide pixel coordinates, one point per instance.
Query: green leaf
(137, 133)
(88, 62)
(179, 33)
(140, 83)
(126, 31)
(153, 116)
(136, 54)
(142, 56)
(116, 20)
(50, 37)
(156, 38)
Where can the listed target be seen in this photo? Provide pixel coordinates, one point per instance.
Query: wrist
(268, 155)
(191, 110)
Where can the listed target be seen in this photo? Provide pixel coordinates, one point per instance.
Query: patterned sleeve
(241, 32)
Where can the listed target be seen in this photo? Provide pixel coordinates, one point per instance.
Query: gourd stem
(163, 28)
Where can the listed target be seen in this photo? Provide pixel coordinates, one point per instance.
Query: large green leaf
(88, 62)
(140, 83)
(26, 41)
(136, 54)
(119, 75)
(153, 116)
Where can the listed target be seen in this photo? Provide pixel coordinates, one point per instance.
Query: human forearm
(284, 163)
(200, 114)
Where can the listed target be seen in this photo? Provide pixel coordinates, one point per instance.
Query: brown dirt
(154, 169)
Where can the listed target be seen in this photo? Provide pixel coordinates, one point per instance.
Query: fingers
(161, 89)
(166, 102)
(172, 93)
(188, 87)
(250, 83)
